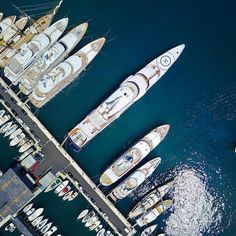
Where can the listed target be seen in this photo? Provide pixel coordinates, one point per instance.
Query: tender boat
(64, 191)
(2, 112)
(4, 119)
(28, 207)
(31, 211)
(67, 195)
(25, 154)
(22, 61)
(26, 146)
(130, 91)
(150, 200)
(6, 127)
(61, 186)
(73, 196)
(91, 221)
(41, 224)
(82, 214)
(95, 225)
(64, 73)
(46, 228)
(101, 232)
(37, 213)
(153, 213)
(135, 179)
(17, 132)
(149, 230)
(51, 231)
(52, 57)
(53, 185)
(37, 221)
(12, 129)
(88, 216)
(8, 35)
(17, 139)
(134, 155)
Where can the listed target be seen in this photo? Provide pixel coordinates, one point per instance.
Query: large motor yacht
(134, 155)
(52, 57)
(64, 73)
(135, 179)
(130, 91)
(23, 60)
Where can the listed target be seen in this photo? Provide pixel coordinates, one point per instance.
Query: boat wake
(196, 210)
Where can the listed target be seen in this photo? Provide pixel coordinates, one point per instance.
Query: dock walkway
(57, 159)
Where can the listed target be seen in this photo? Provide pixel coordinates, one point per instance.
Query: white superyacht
(131, 90)
(53, 56)
(64, 73)
(18, 64)
(134, 155)
(135, 179)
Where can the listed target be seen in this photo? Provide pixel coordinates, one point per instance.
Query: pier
(57, 160)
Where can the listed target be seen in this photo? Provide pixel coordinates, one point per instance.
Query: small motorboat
(53, 185)
(6, 127)
(26, 146)
(88, 216)
(24, 155)
(28, 207)
(31, 211)
(91, 221)
(95, 225)
(2, 112)
(73, 196)
(67, 195)
(98, 228)
(61, 186)
(24, 140)
(14, 134)
(82, 214)
(64, 191)
(17, 139)
(149, 230)
(46, 228)
(4, 119)
(11, 227)
(41, 224)
(37, 213)
(36, 221)
(11, 130)
(51, 231)
(101, 232)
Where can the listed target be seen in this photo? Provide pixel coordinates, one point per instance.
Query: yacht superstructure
(7, 23)
(135, 179)
(53, 56)
(150, 200)
(64, 73)
(153, 213)
(131, 90)
(18, 64)
(134, 155)
(11, 33)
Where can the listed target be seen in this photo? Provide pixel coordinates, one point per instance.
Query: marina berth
(135, 179)
(150, 200)
(64, 73)
(53, 56)
(82, 214)
(28, 53)
(134, 155)
(13, 32)
(150, 215)
(131, 90)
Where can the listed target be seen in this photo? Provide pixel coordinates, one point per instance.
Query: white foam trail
(195, 209)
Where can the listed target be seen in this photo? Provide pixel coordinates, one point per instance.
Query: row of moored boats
(37, 60)
(14, 133)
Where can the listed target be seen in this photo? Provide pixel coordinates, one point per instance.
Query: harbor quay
(55, 160)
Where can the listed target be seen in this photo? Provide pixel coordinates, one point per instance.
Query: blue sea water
(197, 97)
